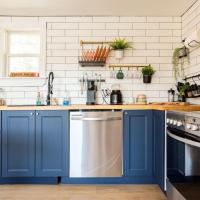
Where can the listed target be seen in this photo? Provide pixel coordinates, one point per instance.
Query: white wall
(154, 39)
(190, 23)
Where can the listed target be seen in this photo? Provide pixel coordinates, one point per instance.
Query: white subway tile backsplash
(119, 26)
(55, 33)
(159, 19)
(56, 60)
(159, 46)
(78, 19)
(146, 26)
(106, 19)
(92, 26)
(170, 26)
(64, 26)
(153, 39)
(159, 32)
(64, 40)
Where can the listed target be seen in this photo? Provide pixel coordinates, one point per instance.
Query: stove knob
(179, 123)
(188, 126)
(194, 127)
(171, 121)
(175, 122)
(168, 120)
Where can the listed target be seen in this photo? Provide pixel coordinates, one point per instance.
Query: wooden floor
(77, 192)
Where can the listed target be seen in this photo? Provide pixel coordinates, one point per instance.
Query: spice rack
(97, 57)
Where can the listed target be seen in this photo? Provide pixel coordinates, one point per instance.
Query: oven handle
(180, 139)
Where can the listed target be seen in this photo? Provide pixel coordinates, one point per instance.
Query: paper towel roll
(193, 40)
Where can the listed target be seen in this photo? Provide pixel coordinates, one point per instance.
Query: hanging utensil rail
(126, 65)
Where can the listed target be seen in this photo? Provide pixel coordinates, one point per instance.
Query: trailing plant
(120, 44)
(178, 61)
(148, 70)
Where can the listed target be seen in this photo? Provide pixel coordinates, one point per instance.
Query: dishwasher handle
(96, 118)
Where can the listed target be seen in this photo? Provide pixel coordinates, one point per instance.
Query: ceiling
(94, 7)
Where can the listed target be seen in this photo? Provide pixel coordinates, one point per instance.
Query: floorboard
(81, 192)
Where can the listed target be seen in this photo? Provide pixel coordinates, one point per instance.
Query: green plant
(183, 89)
(148, 70)
(120, 44)
(178, 61)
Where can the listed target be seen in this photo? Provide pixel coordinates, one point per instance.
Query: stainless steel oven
(183, 156)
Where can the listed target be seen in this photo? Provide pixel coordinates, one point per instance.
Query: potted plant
(178, 60)
(182, 91)
(147, 72)
(119, 45)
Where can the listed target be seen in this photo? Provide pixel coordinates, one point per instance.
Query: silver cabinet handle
(96, 119)
(37, 113)
(31, 113)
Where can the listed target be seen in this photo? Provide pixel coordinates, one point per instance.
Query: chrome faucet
(50, 88)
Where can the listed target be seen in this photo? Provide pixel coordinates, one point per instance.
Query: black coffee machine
(116, 97)
(91, 92)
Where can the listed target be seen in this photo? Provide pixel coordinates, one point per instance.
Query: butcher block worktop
(177, 107)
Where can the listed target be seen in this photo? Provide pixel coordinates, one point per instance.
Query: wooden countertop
(187, 108)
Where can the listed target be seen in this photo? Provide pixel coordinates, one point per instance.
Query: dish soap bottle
(39, 99)
(66, 100)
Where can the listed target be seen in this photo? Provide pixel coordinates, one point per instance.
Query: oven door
(183, 165)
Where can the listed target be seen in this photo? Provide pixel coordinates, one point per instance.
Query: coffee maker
(91, 92)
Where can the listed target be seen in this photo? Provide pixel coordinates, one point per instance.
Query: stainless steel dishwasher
(96, 144)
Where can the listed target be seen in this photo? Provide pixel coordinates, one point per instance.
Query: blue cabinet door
(51, 143)
(18, 143)
(159, 146)
(138, 143)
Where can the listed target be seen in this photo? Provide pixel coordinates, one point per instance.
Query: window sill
(22, 81)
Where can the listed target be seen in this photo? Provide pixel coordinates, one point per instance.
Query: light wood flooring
(83, 192)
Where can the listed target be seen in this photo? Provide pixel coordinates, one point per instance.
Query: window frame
(9, 55)
(40, 27)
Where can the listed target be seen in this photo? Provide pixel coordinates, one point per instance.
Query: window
(23, 53)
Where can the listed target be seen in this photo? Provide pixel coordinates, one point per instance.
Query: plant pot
(182, 52)
(147, 78)
(119, 54)
(182, 98)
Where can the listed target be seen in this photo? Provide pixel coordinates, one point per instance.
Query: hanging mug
(120, 74)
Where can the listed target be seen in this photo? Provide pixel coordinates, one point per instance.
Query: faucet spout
(50, 88)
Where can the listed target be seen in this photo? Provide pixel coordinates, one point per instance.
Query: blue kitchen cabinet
(159, 146)
(18, 143)
(138, 145)
(51, 143)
